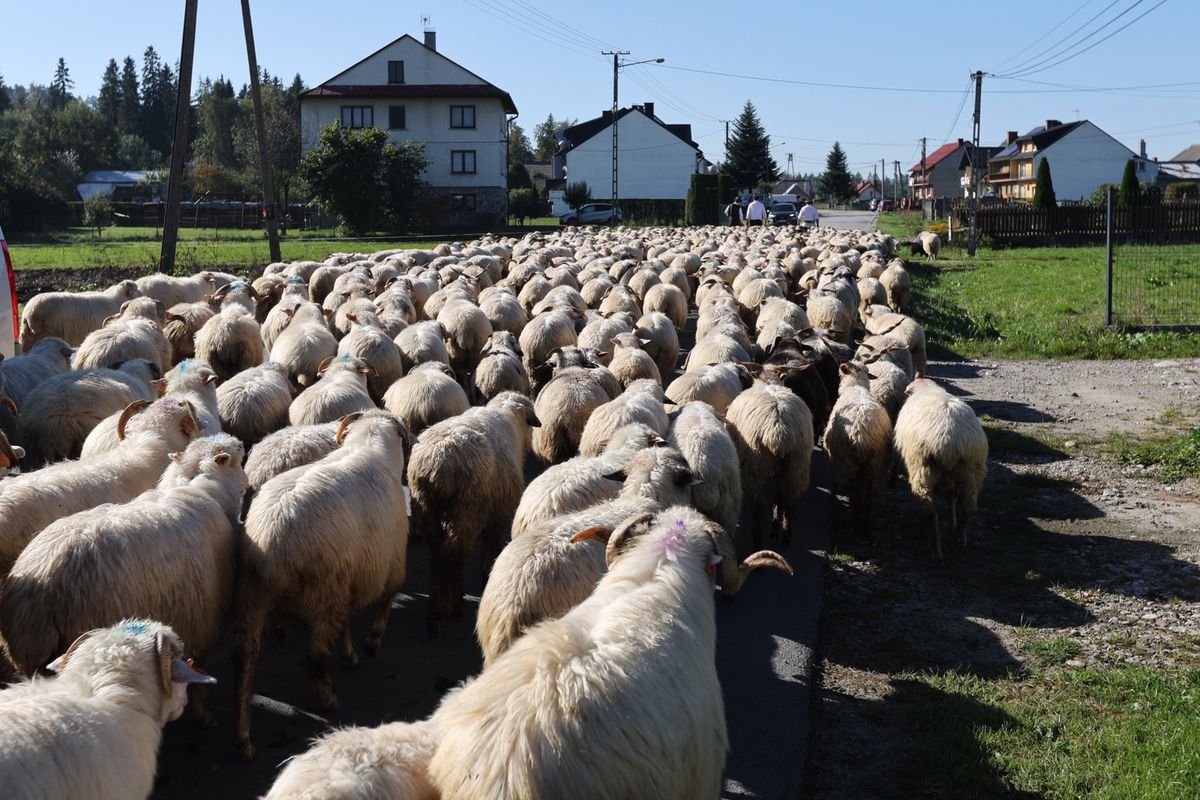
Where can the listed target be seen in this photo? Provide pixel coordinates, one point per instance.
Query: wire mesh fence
(1156, 285)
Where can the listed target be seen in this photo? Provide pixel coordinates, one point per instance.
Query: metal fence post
(1108, 247)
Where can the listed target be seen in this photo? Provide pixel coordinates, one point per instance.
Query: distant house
(656, 160)
(1190, 153)
(866, 191)
(539, 173)
(802, 189)
(121, 185)
(1183, 166)
(1082, 157)
(417, 94)
(940, 175)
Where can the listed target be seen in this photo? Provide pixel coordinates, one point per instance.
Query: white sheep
(773, 431)
(368, 341)
(630, 362)
(898, 284)
(21, 374)
(699, 434)
(716, 384)
(231, 341)
(930, 243)
(881, 320)
(341, 390)
(289, 560)
(123, 339)
(465, 476)
(662, 342)
(60, 412)
(168, 554)
(304, 344)
(30, 502)
(858, 441)
(547, 571)
(669, 299)
(180, 324)
(501, 369)
(945, 453)
(93, 729)
(255, 402)
(829, 313)
(171, 291)
(425, 396)
(641, 402)
(564, 405)
(467, 331)
(715, 348)
(294, 446)
(71, 315)
(544, 334)
(646, 683)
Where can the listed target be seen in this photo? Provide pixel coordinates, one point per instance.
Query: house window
(358, 116)
(395, 72)
(462, 117)
(462, 202)
(396, 118)
(462, 161)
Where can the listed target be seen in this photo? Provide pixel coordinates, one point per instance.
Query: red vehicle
(886, 205)
(8, 303)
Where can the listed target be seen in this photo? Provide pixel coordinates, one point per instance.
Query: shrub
(518, 176)
(577, 194)
(1182, 190)
(1043, 188)
(1130, 188)
(523, 203)
(97, 212)
(703, 204)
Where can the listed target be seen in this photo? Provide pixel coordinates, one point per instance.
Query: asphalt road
(766, 638)
(849, 220)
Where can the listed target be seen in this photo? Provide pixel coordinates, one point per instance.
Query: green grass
(1171, 457)
(902, 224)
(136, 233)
(190, 253)
(535, 221)
(1119, 732)
(1050, 650)
(1041, 302)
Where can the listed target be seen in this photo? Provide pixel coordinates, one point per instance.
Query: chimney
(1052, 123)
(1142, 148)
(648, 108)
(431, 40)
(960, 141)
(1010, 137)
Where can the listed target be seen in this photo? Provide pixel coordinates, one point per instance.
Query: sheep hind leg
(379, 625)
(202, 715)
(446, 562)
(321, 640)
(349, 657)
(252, 617)
(937, 530)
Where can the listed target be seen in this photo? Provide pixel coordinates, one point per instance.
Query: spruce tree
(5, 96)
(130, 109)
(1043, 188)
(836, 182)
(748, 156)
(60, 87)
(109, 104)
(1128, 193)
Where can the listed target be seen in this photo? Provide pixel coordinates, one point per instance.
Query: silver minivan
(8, 303)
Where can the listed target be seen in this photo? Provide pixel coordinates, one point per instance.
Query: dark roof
(932, 159)
(576, 135)
(413, 91)
(1040, 137)
(985, 153)
(801, 187)
(1187, 154)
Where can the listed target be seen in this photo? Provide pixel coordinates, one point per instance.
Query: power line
(1098, 42)
(1061, 22)
(961, 105)
(793, 82)
(1041, 53)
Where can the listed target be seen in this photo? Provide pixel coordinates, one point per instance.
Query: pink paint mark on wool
(674, 542)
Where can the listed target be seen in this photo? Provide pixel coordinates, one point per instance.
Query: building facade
(656, 161)
(940, 174)
(415, 93)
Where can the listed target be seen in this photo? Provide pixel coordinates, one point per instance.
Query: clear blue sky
(546, 54)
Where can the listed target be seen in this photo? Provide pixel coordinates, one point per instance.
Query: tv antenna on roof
(425, 21)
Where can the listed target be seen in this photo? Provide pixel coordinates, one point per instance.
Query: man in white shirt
(756, 212)
(809, 215)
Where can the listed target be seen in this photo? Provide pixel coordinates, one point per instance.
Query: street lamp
(617, 64)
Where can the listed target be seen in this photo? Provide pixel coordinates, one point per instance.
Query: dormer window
(395, 72)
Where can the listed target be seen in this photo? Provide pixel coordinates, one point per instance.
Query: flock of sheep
(198, 452)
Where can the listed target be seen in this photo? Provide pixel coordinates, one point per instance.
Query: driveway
(850, 220)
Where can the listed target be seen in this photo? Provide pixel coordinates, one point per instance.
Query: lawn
(1036, 302)
(1105, 733)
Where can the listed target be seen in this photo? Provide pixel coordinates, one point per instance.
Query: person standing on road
(756, 212)
(809, 215)
(734, 212)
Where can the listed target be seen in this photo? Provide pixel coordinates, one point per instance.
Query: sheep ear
(131, 409)
(160, 384)
(344, 424)
(176, 456)
(325, 365)
(211, 379)
(618, 476)
(845, 369)
(532, 420)
(645, 341)
(222, 458)
(10, 404)
(593, 534)
(59, 663)
(623, 533)
(107, 320)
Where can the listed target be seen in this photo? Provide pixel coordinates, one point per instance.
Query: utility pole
(971, 242)
(791, 166)
(166, 258)
(264, 163)
(896, 183)
(616, 54)
(882, 177)
(922, 159)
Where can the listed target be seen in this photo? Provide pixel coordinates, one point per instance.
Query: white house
(1081, 156)
(417, 94)
(656, 161)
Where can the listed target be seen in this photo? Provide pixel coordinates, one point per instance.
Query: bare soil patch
(1075, 561)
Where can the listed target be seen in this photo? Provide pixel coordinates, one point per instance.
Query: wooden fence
(1007, 225)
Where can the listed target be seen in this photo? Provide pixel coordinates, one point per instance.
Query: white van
(8, 303)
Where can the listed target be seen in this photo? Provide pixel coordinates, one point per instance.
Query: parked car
(783, 214)
(591, 214)
(8, 304)
(886, 205)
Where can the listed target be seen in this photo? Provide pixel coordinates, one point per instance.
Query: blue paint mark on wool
(134, 628)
